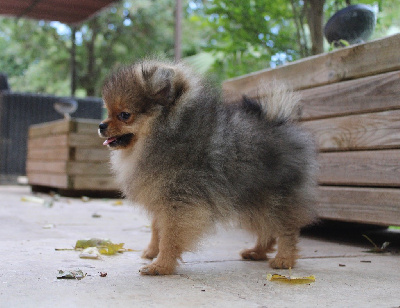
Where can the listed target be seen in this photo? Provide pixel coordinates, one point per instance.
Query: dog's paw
(155, 269)
(251, 254)
(150, 254)
(282, 263)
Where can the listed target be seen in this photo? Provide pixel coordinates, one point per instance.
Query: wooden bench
(351, 103)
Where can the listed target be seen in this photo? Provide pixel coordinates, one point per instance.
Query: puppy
(191, 160)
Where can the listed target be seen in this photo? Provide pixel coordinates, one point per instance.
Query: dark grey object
(354, 24)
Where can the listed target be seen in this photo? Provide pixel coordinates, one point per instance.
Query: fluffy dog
(192, 160)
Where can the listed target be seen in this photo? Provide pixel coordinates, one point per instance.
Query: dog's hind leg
(260, 250)
(287, 252)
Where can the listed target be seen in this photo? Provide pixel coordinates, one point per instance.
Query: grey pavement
(212, 276)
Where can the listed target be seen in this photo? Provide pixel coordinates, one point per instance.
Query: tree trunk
(315, 17)
(90, 85)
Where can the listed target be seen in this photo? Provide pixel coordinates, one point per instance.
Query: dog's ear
(160, 83)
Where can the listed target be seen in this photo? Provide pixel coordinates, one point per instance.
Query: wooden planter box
(351, 103)
(68, 156)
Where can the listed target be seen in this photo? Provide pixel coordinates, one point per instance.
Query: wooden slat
(85, 141)
(352, 62)
(53, 142)
(86, 126)
(51, 180)
(370, 94)
(62, 153)
(360, 168)
(94, 183)
(50, 128)
(368, 131)
(88, 168)
(47, 166)
(362, 205)
(92, 154)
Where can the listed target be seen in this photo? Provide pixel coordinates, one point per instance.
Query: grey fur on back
(234, 156)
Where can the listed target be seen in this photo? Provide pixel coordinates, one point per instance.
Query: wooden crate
(351, 103)
(68, 155)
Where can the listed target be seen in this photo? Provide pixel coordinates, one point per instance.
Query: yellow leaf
(110, 248)
(291, 279)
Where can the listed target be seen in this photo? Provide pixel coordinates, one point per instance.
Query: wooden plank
(62, 153)
(360, 168)
(51, 180)
(54, 142)
(343, 64)
(94, 183)
(88, 168)
(363, 205)
(86, 126)
(92, 154)
(84, 141)
(47, 166)
(49, 128)
(370, 94)
(367, 131)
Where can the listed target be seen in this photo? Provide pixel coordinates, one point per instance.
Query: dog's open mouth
(119, 141)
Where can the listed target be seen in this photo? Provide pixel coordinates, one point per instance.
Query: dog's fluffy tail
(278, 103)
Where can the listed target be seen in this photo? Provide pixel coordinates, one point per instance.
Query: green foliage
(247, 34)
(222, 37)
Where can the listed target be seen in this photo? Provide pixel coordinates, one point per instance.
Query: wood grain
(363, 205)
(50, 154)
(94, 183)
(49, 141)
(50, 128)
(352, 62)
(95, 154)
(367, 131)
(369, 94)
(50, 180)
(360, 168)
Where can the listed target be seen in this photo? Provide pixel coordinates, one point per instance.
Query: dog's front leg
(169, 247)
(179, 227)
(152, 250)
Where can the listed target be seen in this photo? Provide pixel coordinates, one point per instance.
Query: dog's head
(134, 95)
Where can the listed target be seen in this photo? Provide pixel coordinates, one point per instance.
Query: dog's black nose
(103, 126)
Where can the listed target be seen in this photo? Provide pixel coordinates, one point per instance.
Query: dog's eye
(124, 116)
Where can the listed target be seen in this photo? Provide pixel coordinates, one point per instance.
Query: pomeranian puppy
(192, 160)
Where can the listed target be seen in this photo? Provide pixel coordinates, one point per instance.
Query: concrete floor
(213, 276)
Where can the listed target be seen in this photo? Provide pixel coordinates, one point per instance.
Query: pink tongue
(109, 140)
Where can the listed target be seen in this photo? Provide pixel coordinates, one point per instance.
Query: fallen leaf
(105, 247)
(71, 274)
(377, 249)
(103, 274)
(33, 199)
(90, 253)
(111, 249)
(48, 226)
(291, 279)
(93, 242)
(118, 202)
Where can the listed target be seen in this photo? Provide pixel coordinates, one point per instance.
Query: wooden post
(73, 60)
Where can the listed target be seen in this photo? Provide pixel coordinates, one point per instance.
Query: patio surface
(213, 276)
